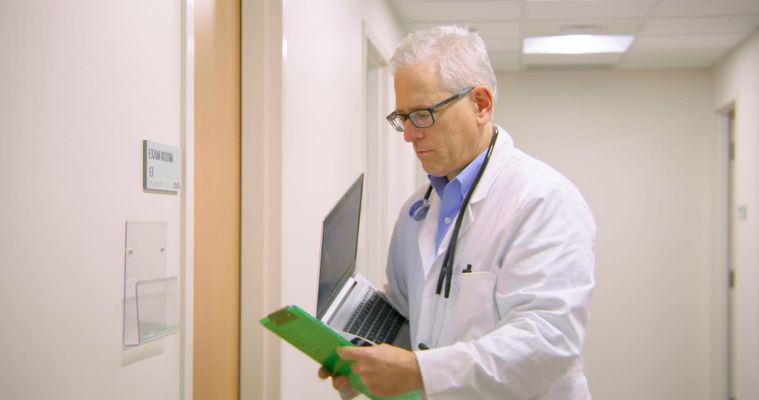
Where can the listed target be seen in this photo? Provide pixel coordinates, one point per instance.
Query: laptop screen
(339, 243)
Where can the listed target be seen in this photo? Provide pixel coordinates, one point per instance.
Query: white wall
(737, 82)
(639, 145)
(323, 145)
(81, 84)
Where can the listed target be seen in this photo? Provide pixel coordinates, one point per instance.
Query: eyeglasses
(424, 117)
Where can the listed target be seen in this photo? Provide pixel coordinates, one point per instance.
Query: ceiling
(668, 33)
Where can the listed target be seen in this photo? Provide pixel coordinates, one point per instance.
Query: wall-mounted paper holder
(151, 307)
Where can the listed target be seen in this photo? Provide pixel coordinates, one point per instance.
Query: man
(496, 278)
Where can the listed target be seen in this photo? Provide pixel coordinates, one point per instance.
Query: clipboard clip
(282, 316)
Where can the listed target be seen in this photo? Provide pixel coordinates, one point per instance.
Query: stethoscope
(418, 212)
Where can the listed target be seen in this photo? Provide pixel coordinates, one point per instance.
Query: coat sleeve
(396, 290)
(543, 286)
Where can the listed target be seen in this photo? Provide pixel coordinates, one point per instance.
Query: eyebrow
(411, 109)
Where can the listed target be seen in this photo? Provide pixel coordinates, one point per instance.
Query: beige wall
(737, 85)
(81, 85)
(640, 146)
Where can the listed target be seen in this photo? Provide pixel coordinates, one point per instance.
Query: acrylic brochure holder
(151, 307)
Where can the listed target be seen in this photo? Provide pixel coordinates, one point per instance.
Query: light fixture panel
(577, 44)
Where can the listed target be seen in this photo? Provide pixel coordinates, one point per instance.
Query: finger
(341, 383)
(348, 394)
(349, 353)
(323, 373)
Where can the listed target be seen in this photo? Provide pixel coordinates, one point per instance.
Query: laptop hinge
(349, 285)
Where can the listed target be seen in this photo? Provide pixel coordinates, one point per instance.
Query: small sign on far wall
(160, 167)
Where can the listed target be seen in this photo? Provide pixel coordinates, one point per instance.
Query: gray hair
(458, 53)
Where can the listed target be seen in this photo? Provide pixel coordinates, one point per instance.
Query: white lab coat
(513, 328)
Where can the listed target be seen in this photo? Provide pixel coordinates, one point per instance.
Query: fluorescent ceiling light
(577, 44)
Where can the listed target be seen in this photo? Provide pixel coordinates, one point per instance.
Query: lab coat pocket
(471, 311)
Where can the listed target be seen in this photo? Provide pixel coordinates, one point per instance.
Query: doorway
(372, 239)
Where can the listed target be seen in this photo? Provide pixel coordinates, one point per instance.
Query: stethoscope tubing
(418, 212)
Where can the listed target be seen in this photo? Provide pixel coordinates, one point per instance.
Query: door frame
(187, 206)
(721, 368)
(262, 57)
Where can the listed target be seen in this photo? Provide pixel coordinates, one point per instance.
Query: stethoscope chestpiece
(419, 209)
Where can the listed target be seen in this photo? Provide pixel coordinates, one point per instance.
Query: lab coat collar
(503, 147)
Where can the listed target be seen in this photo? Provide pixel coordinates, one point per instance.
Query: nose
(411, 133)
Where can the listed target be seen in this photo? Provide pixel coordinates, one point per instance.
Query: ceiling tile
(485, 29)
(503, 44)
(669, 33)
(671, 58)
(686, 42)
(584, 9)
(690, 8)
(702, 26)
(425, 1)
(505, 61)
(570, 59)
(450, 11)
(584, 26)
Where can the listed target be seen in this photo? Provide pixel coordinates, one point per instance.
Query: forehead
(417, 86)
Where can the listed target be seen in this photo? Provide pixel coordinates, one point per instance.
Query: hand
(340, 383)
(385, 370)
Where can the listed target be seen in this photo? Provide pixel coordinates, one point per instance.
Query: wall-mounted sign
(160, 166)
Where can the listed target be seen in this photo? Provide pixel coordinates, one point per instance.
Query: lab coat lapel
(431, 307)
(426, 240)
(429, 253)
(503, 146)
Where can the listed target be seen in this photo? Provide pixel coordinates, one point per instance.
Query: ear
(483, 103)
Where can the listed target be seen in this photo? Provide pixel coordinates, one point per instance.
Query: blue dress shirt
(452, 194)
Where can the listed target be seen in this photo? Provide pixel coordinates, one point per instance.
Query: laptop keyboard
(375, 319)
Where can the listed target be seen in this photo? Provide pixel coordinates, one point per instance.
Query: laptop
(347, 301)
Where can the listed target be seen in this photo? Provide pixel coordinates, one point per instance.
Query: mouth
(422, 152)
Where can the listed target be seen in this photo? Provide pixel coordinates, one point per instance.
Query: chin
(429, 170)
(435, 173)
(433, 170)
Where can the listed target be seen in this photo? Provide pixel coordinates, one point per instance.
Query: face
(456, 137)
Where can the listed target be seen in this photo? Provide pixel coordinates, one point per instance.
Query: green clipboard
(319, 342)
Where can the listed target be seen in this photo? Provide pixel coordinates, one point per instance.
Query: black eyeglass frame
(397, 119)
